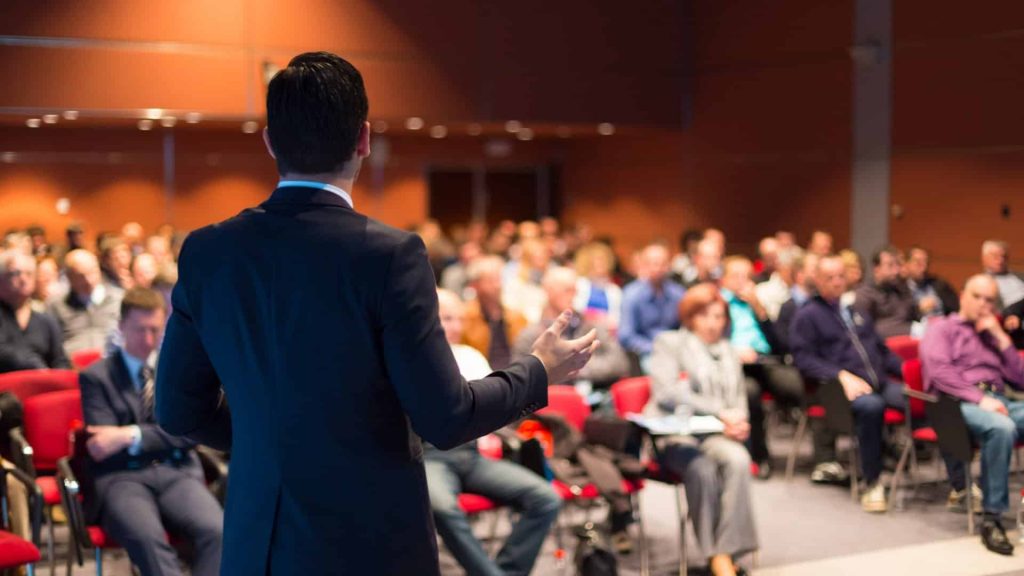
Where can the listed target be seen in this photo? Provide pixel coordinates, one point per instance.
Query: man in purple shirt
(968, 356)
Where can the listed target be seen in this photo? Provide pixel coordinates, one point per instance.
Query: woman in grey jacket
(716, 467)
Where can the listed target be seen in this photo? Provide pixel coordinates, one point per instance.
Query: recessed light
(33, 122)
(250, 126)
(168, 121)
(380, 126)
(606, 129)
(438, 131)
(50, 118)
(525, 134)
(153, 113)
(513, 126)
(474, 129)
(63, 206)
(193, 117)
(71, 114)
(145, 125)
(8, 157)
(414, 123)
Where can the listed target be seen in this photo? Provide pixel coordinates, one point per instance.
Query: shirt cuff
(135, 448)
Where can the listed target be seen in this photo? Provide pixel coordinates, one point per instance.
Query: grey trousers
(716, 474)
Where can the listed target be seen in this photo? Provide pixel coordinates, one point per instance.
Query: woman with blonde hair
(597, 297)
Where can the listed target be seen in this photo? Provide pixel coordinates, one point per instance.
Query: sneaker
(829, 473)
(957, 501)
(873, 500)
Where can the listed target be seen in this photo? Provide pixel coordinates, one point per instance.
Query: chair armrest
(22, 451)
(35, 499)
(69, 497)
(920, 395)
(214, 465)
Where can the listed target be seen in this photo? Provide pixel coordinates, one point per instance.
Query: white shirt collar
(321, 186)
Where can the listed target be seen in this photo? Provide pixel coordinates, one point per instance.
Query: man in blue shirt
(650, 304)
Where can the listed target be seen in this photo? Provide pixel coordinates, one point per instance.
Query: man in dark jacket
(835, 343)
(29, 339)
(933, 295)
(887, 300)
(321, 327)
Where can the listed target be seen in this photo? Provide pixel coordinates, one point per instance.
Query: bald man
(90, 311)
(463, 469)
(969, 356)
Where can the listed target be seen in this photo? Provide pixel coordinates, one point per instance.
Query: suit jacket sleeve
(98, 411)
(189, 401)
(443, 408)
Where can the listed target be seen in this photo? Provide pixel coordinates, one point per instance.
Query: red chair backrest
(567, 402)
(48, 420)
(906, 347)
(913, 379)
(27, 383)
(630, 395)
(85, 358)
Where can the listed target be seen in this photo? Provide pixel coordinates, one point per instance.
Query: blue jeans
(869, 418)
(997, 434)
(464, 470)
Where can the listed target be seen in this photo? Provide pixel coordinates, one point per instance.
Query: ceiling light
(513, 126)
(250, 126)
(414, 123)
(525, 134)
(380, 126)
(50, 118)
(474, 129)
(438, 131)
(33, 122)
(193, 117)
(168, 121)
(71, 114)
(145, 125)
(153, 113)
(606, 129)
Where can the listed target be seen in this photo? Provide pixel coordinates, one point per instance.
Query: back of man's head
(316, 108)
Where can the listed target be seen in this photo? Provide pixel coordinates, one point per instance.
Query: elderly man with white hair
(968, 356)
(995, 259)
(28, 339)
(90, 311)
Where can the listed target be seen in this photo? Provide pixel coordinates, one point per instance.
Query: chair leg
(898, 473)
(645, 568)
(801, 429)
(99, 561)
(50, 547)
(682, 530)
(970, 498)
(854, 465)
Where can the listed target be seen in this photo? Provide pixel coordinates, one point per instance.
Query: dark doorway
(459, 195)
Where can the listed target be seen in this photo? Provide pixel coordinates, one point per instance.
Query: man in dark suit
(147, 482)
(321, 326)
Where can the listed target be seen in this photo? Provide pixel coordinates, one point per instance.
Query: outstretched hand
(563, 359)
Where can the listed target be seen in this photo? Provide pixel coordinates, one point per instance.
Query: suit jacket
(109, 398)
(321, 325)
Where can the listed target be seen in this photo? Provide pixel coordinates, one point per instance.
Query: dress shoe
(994, 537)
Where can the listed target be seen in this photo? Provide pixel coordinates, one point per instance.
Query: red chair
(44, 439)
(82, 534)
(565, 401)
(26, 383)
(916, 398)
(15, 551)
(906, 347)
(85, 358)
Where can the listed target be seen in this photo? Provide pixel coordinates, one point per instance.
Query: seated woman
(716, 467)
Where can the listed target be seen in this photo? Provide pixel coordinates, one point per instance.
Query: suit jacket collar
(125, 384)
(304, 195)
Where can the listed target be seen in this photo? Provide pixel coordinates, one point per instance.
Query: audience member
(753, 338)
(490, 327)
(968, 356)
(28, 339)
(715, 468)
(887, 300)
(146, 481)
(608, 364)
(48, 283)
(40, 245)
(89, 312)
(18, 241)
(776, 289)
(820, 244)
(598, 298)
(717, 236)
(116, 262)
(649, 303)
(933, 295)
(995, 260)
(707, 263)
(455, 276)
(853, 268)
(160, 248)
(463, 469)
(75, 234)
(768, 254)
(833, 343)
(785, 239)
(521, 279)
(133, 235)
(802, 289)
(144, 269)
(684, 269)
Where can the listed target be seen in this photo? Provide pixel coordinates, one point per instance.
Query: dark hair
(893, 251)
(689, 235)
(141, 299)
(316, 108)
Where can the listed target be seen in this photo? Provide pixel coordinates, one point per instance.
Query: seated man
(650, 304)
(28, 339)
(463, 469)
(995, 259)
(752, 336)
(887, 301)
(833, 342)
(147, 482)
(608, 364)
(933, 295)
(968, 356)
(489, 326)
(88, 313)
